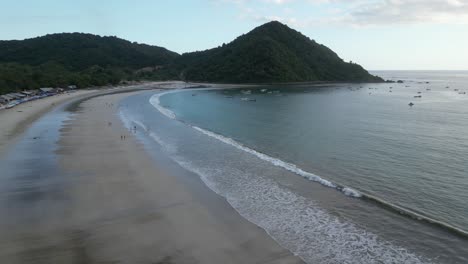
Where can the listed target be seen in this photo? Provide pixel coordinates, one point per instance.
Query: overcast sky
(378, 34)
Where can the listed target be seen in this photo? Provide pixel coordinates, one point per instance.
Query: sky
(378, 34)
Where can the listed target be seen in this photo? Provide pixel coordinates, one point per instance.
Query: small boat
(246, 92)
(417, 96)
(263, 90)
(455, 90)
(428, 89)
(411, 104)
(419, 92)
(462, 93)
(248, 99)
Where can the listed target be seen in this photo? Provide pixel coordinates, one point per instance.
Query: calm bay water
(362, 137)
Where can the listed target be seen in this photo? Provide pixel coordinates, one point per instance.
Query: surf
(295, 222)
(155, 101)
(348, 191)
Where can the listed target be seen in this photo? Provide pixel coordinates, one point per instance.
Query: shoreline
(16, 120)
(187, 228)
(123, 205)
(358, 194)
(116, 187)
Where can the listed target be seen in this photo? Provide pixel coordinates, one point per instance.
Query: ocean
(336, 173)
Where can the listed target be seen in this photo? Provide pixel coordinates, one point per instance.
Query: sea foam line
(154, 100)
(294, 222)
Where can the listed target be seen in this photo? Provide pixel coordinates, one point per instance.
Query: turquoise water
(414, 157)
(321, 167)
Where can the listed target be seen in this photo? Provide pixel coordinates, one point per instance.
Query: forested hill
(78, 51)
(272, 52)
(76, 58)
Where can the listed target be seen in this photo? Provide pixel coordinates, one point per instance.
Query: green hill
(78, 51)
(75, 58)
(272, 52)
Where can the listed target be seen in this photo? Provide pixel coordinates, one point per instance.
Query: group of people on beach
(123, 137)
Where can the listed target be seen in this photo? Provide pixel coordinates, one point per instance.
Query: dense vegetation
(270, 53)
(80, 59)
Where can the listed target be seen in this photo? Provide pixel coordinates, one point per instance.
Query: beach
(303, 162)
(118, 204)
(15, 120)
(153, 174)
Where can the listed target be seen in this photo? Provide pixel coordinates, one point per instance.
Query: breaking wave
(155, 101)
(294, 221)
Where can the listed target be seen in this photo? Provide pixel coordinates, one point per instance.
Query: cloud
(409, 12)
(356, 12)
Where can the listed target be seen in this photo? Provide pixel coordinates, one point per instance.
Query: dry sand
(124, 206)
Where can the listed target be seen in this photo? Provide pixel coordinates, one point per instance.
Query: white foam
(274, 161)
(154, 100)
(128, 122)
(125, 119)
(351, 192)
(295, 222)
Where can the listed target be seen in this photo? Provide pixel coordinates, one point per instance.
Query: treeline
(270, 53)
(18, 77)
(78, 51)
(84, 60)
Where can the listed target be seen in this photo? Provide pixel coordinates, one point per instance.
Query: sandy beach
(124, 206)
(15, 120)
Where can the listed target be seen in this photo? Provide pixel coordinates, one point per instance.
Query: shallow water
(414, 157)
(254, 154)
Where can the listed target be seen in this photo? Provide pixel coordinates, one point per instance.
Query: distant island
(271, 53)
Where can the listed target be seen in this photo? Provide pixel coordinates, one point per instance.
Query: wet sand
(121, 205)
(15, 120)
